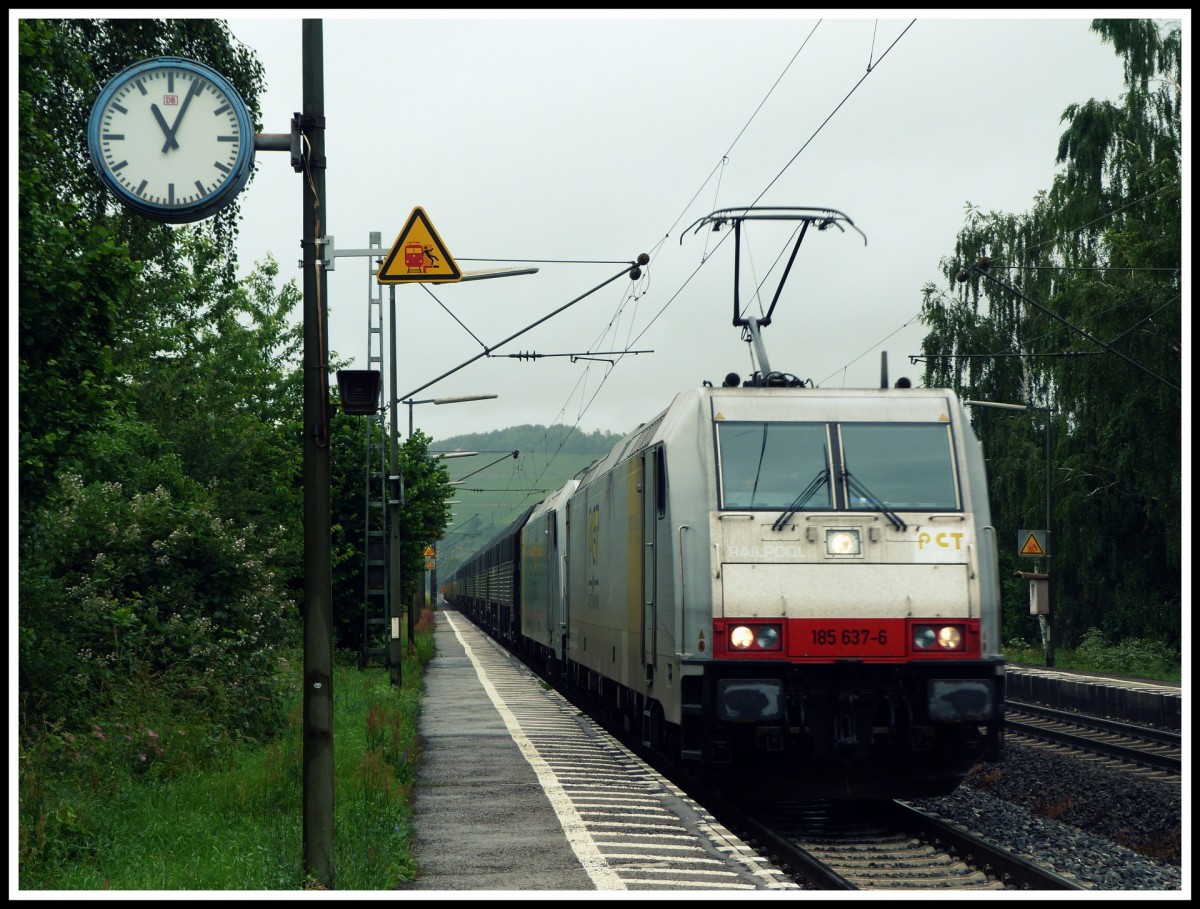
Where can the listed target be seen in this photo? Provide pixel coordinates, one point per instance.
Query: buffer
(418, 255)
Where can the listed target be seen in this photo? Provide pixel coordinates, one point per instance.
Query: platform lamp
(359, 390)
(457, 399)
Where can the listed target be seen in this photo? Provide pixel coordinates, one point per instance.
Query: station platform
(1156, 704)
(518, 791)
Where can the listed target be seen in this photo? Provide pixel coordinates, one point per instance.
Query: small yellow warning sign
(1032, 545)
(429, 552)
(418, 255)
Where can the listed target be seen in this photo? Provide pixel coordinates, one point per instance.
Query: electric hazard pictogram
(1032, 543)
(418, 255)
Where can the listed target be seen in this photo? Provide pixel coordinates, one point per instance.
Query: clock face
(172, 139)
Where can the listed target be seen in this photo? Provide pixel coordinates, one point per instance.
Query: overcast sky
(574, 142)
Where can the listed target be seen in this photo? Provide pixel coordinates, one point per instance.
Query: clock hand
(162, 123)
(197, 84)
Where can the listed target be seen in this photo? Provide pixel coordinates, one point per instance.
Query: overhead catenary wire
(825, 122)
(790, 162)
(627, 297)
(1060, 268)
(983, 272)
(487, 350)
(724, 158)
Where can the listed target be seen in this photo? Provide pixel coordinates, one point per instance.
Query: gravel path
(1112, 829)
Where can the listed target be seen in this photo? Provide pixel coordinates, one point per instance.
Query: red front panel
(826, 640)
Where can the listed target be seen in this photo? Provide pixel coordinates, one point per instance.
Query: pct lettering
(942, 540)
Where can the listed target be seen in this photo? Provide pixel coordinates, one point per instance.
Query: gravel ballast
(1111, 829)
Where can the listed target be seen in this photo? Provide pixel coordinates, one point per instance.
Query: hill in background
(496, 487)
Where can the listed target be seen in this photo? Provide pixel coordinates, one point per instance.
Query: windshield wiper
(797, 503)
(855, 486)
(762, 453)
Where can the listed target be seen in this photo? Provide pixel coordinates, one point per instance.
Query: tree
(425, 512)
(152, 595)
(73, 281)
(159, 418)
(91, 277)
(221, 386)
(169, 550)
(423, 518)
(1101, 250)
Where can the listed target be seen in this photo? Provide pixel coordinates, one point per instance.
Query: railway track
(896, 846)
(1140, 749)
(882, 845)
(860, 846)
(877, 846)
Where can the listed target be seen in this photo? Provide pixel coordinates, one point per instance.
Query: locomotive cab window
(768, 466)
(777, 466)
(901, 466)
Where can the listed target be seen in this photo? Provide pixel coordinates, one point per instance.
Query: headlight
(949, 638)
(741, 637)
(768, 637)
(755, 637)
(937, 637)
(843, 542)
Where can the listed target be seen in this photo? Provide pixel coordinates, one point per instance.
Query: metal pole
(412, 607)
(318, 584)
(1049, 553)
(433, 591)
(395, 491)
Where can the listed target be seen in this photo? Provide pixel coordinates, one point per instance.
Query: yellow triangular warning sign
(418, 255)
(1032, 547)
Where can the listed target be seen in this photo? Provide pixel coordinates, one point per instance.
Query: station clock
(172, 139)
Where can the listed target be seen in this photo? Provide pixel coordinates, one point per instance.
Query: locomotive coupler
(846, 739)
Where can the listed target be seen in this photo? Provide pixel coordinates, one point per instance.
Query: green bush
(125, 594)
(1133, 657)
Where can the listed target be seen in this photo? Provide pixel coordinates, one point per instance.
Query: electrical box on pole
(1039, 591)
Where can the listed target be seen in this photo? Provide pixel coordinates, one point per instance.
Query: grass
(89, 823)
(1132, 658)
